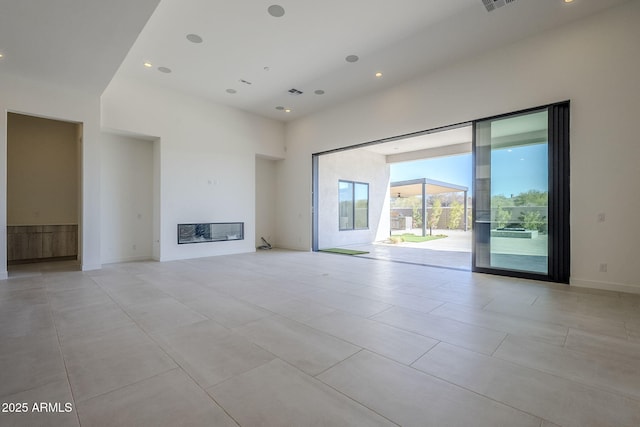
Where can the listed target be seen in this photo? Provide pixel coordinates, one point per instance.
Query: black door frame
(559, 244)
(559, 197)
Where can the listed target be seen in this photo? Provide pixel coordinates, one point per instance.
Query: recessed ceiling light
(319, 92)
(276, 10)
(148, 64)
(279, 108)
(288, 110)
(568, 1)
(378, 74)
(232, 91)
(164, 70)
(352, 58)
(1, 55)
(194, 38)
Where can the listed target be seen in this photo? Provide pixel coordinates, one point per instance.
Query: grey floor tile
(277, 394)
(456, 296)
(61, 413)
(397, 344)
(411, 398)
(614, 374)
(602, 345)
(135, 293)
(226, 310)
(548, 332)
(9, 287)
(12, 297)
(85, 296)
(259, 354)
(97, 365)
(306, 348)
(90, 321)
(210, 353)
(265, 297)
(26, 314)
(452, 331)
(107, 278)
(359, 306)
(55, 283)
(165, 313)
(300, 310)
(29, 362)
(598, 306)
(547, 396)
(573, 320)
(170, 399)
(393, 297)
(633, 330)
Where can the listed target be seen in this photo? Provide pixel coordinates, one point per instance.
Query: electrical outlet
(603, 268)
(601, 217)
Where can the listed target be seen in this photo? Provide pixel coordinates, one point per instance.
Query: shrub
(455, 215)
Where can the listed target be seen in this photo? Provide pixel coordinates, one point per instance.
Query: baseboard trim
(91, 267)
(130, 259)
(606, 286)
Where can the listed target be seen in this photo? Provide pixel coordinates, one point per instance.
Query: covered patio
(424, 187)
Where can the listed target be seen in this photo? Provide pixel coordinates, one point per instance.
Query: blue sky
(513, 171)
(451, 169)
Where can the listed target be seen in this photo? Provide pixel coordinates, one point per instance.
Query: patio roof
(413, 187)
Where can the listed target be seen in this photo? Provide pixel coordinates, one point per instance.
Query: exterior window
(353, 205)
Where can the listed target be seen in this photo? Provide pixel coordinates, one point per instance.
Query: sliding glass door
(521, 194)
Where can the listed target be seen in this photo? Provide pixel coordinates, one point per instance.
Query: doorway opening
(43, 193)
(417, 190)
(520, 193)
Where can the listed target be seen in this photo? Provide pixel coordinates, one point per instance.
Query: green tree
(532, 220)
(455, 215)
(434, 219)
(417, 216)
(502, 212)
(532, 198)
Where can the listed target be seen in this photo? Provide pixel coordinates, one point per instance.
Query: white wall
(591, 62)
(126, 198)
(266, 191)
(41, 99)
(42, 171)
(360, 166)
(207, 160)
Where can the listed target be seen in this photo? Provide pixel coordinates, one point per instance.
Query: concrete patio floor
(454, 251)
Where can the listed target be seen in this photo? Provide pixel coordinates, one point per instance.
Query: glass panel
(345, 190)
(210, 232)
(512, 193)
(361, 206)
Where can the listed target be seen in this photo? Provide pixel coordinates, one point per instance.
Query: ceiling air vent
(294, 91)
(492, 5)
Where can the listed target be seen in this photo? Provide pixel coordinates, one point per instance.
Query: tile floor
(282, 338)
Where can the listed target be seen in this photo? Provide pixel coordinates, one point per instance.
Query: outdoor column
(465, 211)
(424, 209)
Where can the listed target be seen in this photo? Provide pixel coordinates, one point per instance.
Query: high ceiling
(82, 43)
(73, 43)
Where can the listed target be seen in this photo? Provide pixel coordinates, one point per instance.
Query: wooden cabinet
(35, 242)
